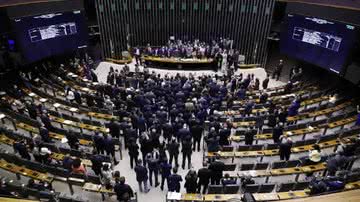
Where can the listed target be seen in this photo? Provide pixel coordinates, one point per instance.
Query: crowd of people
(161, 117)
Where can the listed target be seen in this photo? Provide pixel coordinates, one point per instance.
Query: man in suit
(217, 167)
(133, 152)
(110, 147)
(20, 147)
(114, 129)
(173, 149)
(186, 151)
(153, 165)
(44, 133)
(141, 176)
(165, 170)
(96, 161)
(278, 70)
(265, 83)
(277, 132)
(204, 175)
(123, 191)
(174, 181)
(196, 133)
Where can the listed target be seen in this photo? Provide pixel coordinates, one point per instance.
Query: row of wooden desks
(56, 156)
(68, 108)
(24, 171)
(52, 135)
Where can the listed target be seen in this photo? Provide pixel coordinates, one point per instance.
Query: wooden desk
(79, 125)
(285, 171)
(266, 196)
(96, 188)
(126, 61)
(221, 197)
(192, 197)
(5, 199)
(342, 122)
(313, 168)
(177, 60)
(292, 194)
(25, 172)
(51, 134)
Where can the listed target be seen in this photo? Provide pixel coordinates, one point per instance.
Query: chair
(229, 167)
(261, 166)
(292, 163)
(256, 147)
(227, 148)
(251, 188)
(215, 189)
(278, 164)
(243, 148)
(245, 166)
(231, 189)
(285, 187)
(301, 186)
(266, 188)
(272, 146)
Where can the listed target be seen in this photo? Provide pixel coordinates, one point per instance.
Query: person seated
(78, 167)
(227, 180)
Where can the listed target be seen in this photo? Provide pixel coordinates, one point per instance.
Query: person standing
(278, 70)
(204, 175)
(153, 166)
(285, 145)
(165, 170)
(123, 191)
(265, 83)
(141, 176)
(173, 149)
(196, 132)
(190, 182)
(110, 147)
(277, 132)
(186, 151)
(217, 167)
(133, 153)
(249, 136)
(174, 181)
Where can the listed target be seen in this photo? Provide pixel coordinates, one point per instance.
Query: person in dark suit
(114, 129)
(96, 161)
(73, 140)
(249, 136)
(133, 152)
(224, 134)
(123, 191)
(98, 140)
(141, 176)
(44, 133)
(227, 180)
(165, 170)
(265, 83)
(20, 147)
(277, 132)
(77, 97)
(174, 181)
(217, 167)
(110, 147)
(204, 175)
(191, 182)
(196, 132)
(278, 70)
(32, 111)
(45, 119)
(186, 151)
(173, 149)
(153, 166)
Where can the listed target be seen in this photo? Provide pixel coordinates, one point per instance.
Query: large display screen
(50, 34)
(318, 41)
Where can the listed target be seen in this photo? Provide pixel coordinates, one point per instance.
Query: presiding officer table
(180, 63)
